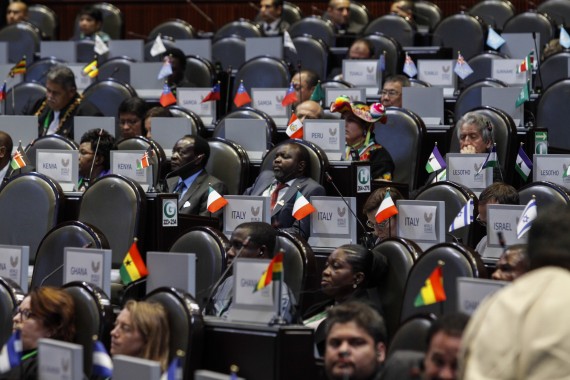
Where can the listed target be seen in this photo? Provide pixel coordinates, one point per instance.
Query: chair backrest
(33, 203)
(415, 82)
(93, 317)
(117, 68)
(461, 32)
(482, 65)
(427, 14)
(291, 12)
(241, 27)
(199, 71)
(209, 246)
(142, 143)
(50, 254)
(395, 26)
(314, 26)
(551, 109)
(532, 21)
(10, 297)
(37, 70)
(394, 57)
(115, 205)
(23, 40)
(336, 84)
(403, 136)
(107, 95)
(186, 326)
(248, 113)
(504, 135)
(319, 162)
(412, 334)
(229, 163)
(459, 261)
(470, 96)
(49, 142)
(558, 10)
(401, 255)
(313, 54)
(45, 19)
(112, 21)
(299, 264)
(455, 197)
(168, 43)
(553, 69)
(358, 17)
(494, 12)
(546, 194)
(229, 52)
(175, 28)
(195, 121)
(84, 50)
(27, 93)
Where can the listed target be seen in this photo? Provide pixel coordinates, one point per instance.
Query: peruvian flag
(295, 128)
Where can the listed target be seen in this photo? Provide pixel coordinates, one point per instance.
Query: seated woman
(131, 117)
(141, 330)
(349, 271)
(157, 111)
(386, 228)
(44, 313)
(360, 139)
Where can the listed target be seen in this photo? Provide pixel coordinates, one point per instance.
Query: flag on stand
(302, 207)
(273, 272)
(157, 46)
(19, 159)
(464, 217)
(527, 216)
(387, 209)
(91, 69)
(11, 354)
(146, 159)
(433, 291)
(294, 128)
(102, 362)
(462, 68)
(382, 61)
(174, 371)
(318, 94)
(3, 92)
(523, 164)
(100, 46)
(435, 161)
(19, 68)
(133, 266)
(524, 95)
(410, 67)
(165, 69)
(526, 64)
(288, 42)
(167, 97)
(564, 38)
(491, 160)
(215, 200)
(290, 96)
(242, 97)
(213, 95)
(494, 40)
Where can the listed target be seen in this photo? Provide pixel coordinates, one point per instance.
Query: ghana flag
(273, 272)
(432, 291)
(133, 266)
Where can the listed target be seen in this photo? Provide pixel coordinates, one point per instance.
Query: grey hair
(483, 124)
(63, 76)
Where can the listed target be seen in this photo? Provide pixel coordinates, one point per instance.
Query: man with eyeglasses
(391, 94)
(253, 240)
(386, 228)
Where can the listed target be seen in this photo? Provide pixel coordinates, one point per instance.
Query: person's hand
(469, 149)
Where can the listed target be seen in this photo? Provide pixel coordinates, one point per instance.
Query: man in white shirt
(270, 12)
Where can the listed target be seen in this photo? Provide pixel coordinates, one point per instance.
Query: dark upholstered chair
(50, 254)
(316, 27)
(107, 95)
(49, 142)
(23, 39)
(291, 12)
(241, 27)
(461, 32)
(229, 163)
(551, 109)
(142, 143)
(395, 26)
(175, 28)
(546, 194)
(117, 68)
(229, 52)
(313, 54)
(427, 14)
(45, 19)
(359, 17)
(209, 246)
(494, 12)
(10, 297)
(553, 69)
(558, 10)
(195, 121)
(248, 113)
(412, 334)
(26, 94)
(482, 67)
(532, 21)
(37, 70)
(394, 57)
(84, 50)
(199, 71)
(470, 97)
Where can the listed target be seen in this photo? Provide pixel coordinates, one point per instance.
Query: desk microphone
(130, 33)
(88, 179)
(454, 238)
(210, 299)
(538, 70)
(115, 71)
(53, 272)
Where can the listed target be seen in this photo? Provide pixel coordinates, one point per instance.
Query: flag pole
(229, 72)
(278, 318)
(441, 264)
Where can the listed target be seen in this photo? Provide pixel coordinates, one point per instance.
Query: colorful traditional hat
(370, 114)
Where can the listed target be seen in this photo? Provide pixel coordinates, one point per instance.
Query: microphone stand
(87, 180)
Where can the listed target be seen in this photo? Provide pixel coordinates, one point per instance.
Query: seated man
(309, 109)
(178, 64)
(57, 110)
(338, 12)
(441, 359)
(404, 8)
(304, 83)
(254, 240)
(391, 94)
(512, 264)
(189, 178)
(17, 11)
(6, 146)
(355, 343)
(93, 166)
(289, 175)
(270, 12)
(360, 49)
(90, 23)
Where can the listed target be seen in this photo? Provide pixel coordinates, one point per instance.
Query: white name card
(363, 178)
(61, 165)
(89, 265)
(129, 367)
(437, 72)
(361, 72)
(59, 360)
(466, 169)
(552, 168)
(247, 273)
(245, 208)
(421, 221)
(81, 81)
(504, 219)
(328, 134)
(333, 216)
(126, 163)
(506, 71)
(355, 94)
(269, 101)
(82, 124)
(471, 291)
(14, 261)
(171, 269)
(191, 99)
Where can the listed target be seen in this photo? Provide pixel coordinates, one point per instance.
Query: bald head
(17, 11)
(309, 109)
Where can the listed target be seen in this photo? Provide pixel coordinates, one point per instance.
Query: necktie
(179, 189)
(267, 28)
(275, 193)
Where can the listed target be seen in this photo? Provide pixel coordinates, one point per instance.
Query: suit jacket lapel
(192, 189)
(289, 194)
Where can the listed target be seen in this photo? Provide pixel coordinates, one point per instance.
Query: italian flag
(387, 209)
(273, 272)
(432, 291)
(302, 207)
(133, 266)
(215, 200)
(295, 128)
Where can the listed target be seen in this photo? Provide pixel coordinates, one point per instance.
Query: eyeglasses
(389, 93)
(24, 313)
(383, 224)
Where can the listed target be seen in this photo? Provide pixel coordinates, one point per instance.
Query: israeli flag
(527, 216)
(464, 217)
(102, 363)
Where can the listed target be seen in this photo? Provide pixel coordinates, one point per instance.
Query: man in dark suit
(189, 157)
(289, 174)
(270, 13)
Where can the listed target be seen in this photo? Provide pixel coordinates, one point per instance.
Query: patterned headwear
(370, 114)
